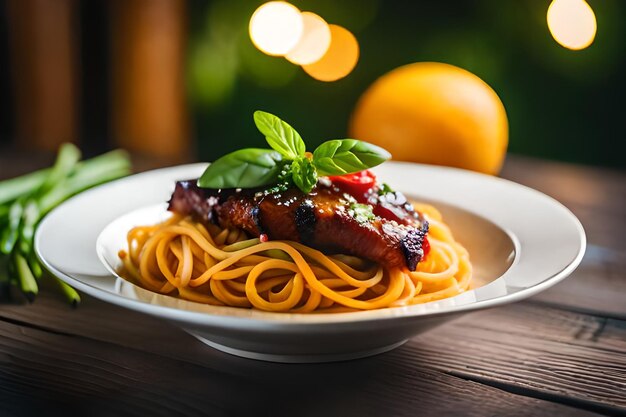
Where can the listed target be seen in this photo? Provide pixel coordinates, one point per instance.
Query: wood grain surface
(562, 353)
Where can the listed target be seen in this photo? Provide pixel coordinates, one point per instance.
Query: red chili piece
(356, 184)
(425, 246)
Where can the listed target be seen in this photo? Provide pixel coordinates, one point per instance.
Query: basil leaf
(280, 136)
(303, 174)
(347, 156)
(245, 168)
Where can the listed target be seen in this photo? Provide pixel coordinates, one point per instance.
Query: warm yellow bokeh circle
(276, 27)
(572, 23)
(340, 58)
(434, 113)
(314, 42)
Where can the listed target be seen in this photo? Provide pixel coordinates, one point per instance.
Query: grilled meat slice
(324, 219)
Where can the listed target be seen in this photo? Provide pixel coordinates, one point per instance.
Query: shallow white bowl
(520, 242)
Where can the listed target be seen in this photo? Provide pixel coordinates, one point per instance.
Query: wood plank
(41, 370)
(561, 356)
(583, 185)
(598, 286)
(98, 320)
(596, 195)
(602, 229)
(548, 353)
(522, 346)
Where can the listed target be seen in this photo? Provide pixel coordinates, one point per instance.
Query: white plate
(520, 242)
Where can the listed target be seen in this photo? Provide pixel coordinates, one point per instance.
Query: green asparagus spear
(98, 170)
(66, 161)
(70, 293)
(26, 199)
(25, 277)
(30, 218)
(4, 221)
(11, 232)
(15, 187)
(34, 265)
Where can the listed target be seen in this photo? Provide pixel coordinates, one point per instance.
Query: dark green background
(561, 104)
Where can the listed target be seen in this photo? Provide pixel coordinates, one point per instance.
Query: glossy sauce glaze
(381, 227)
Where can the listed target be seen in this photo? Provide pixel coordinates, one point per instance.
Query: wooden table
(562, 353)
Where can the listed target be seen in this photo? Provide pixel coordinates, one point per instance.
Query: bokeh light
(572, 23)
(276, 27)
(314, 42)
(339, 60)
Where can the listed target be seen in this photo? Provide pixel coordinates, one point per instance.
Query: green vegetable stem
(25, 200)
(288, 159)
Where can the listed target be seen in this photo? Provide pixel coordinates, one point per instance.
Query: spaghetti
(208, 264)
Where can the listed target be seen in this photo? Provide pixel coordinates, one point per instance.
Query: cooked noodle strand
(217, 266)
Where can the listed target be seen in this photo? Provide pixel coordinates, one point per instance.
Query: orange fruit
(434, 113)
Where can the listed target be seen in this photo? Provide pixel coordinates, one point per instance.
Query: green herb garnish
(362, 213)
(347, 156)
(280, 135)
(289, 161)
(385, 189)
(245, 168)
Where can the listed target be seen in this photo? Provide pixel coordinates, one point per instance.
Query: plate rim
(282, 320)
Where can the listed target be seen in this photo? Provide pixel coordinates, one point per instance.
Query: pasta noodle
(208, 264)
